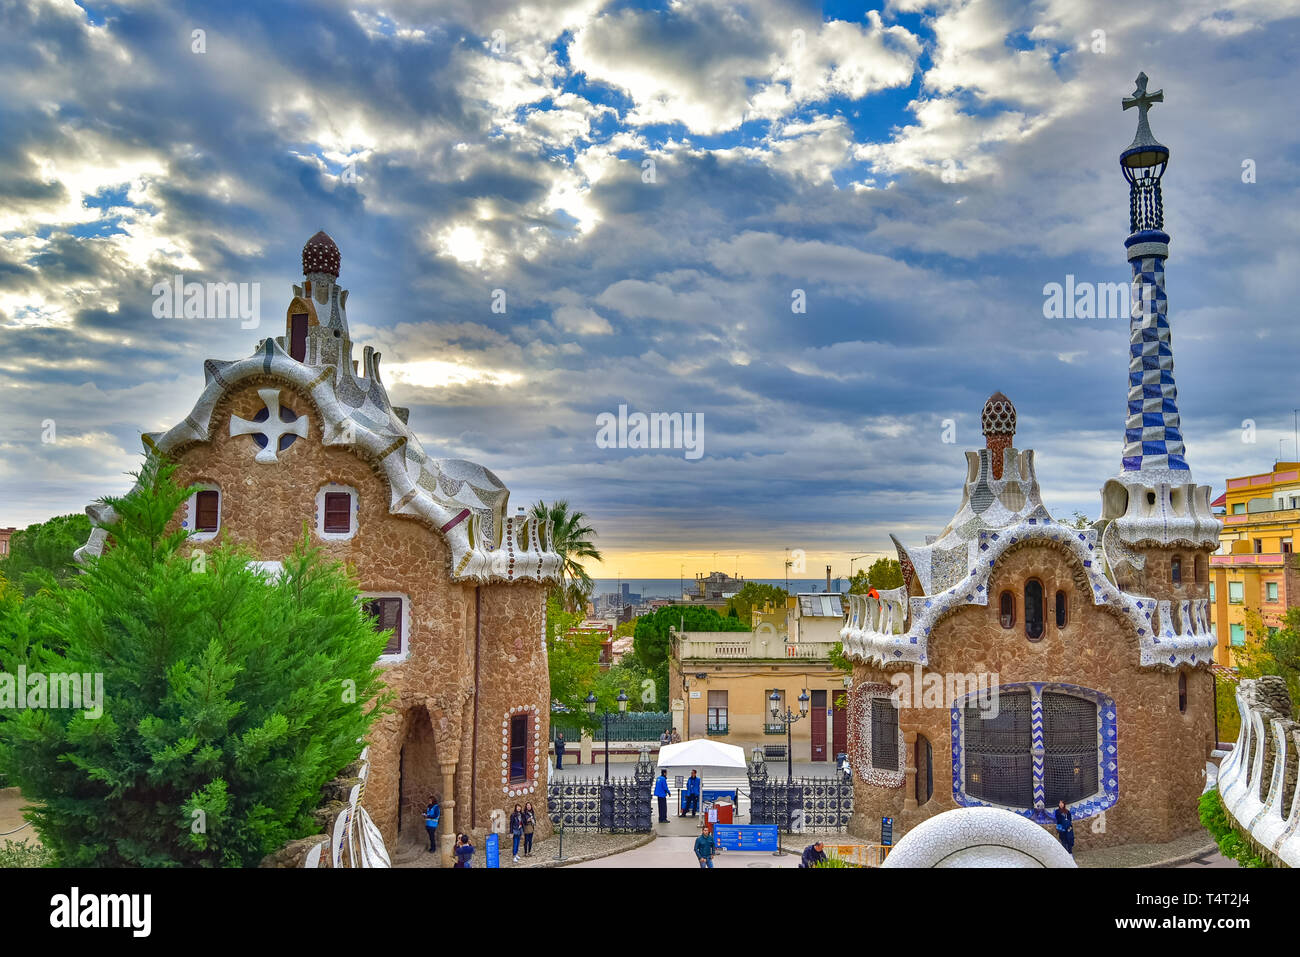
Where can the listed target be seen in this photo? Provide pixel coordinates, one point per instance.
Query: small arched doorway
(418, 777)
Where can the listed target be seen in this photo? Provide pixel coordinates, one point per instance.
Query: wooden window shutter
(207, 510)
(338, 512)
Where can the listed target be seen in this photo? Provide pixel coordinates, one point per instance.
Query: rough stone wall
(265, 507)
(1162, 753)
(512, 675)
(1155, 579)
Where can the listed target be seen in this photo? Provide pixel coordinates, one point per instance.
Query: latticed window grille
(884, 734)
(1070, 742)
(999, 762)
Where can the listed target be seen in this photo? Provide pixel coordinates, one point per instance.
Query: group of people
(523, 822)
(670, 736)
(463, 849)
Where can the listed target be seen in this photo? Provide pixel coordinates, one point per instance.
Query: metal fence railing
(630, 726)
(621, 806)
(806, 804)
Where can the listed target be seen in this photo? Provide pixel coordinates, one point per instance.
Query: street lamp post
(590, 702)
(789, 718)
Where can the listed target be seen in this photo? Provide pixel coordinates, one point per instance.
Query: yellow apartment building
(722, 682)
(1255, 569)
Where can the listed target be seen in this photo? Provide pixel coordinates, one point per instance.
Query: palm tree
(571, 539)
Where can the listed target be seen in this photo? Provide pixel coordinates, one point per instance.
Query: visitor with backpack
(705, 846)
(464, 851)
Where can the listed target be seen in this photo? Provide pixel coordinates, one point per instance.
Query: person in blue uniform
(661, 792)
(692, 795)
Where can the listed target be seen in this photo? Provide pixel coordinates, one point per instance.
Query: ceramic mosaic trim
(860, 699)
(1160, 643)
(531, 759)
(1271, 824)
(1107, 752)
(355, 412)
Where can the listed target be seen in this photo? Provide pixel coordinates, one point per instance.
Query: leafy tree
(883, 573)
(650, 639)
(229, 697)
(1273, 654)
(41, 555)
(1081, 521)
(571, 538)
(754, 595)
(574, 659)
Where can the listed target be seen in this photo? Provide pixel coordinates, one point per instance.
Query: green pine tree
(230, 696)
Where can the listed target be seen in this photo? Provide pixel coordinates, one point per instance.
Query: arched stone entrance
(419, 776)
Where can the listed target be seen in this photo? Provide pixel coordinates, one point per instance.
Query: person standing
(813, 855)
(464, 851)
(705, 847)
(559, 750)
(530, 825)
(693, 785)
(517, 829)
(1065, 827)
(661, 792)
(432, 816)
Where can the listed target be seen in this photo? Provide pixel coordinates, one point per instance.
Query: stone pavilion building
(1025, 661)
(302, 432)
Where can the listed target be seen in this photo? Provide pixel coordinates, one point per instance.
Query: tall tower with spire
(1159, 529)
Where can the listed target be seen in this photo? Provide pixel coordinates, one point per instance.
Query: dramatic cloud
(828, 232)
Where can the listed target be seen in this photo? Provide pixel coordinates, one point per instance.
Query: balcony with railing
(738, 646)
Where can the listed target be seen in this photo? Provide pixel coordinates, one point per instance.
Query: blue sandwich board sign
(746, 837)
(493, 850)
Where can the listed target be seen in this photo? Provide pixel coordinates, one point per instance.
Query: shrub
(1233, 842)
(229, 697)
(22, 854)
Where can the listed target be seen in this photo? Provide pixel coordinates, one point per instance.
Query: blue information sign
(493, 850)
(746, 837)
(887, 831)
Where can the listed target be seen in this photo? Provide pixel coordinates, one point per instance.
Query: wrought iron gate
(807, 804)
(623, 805)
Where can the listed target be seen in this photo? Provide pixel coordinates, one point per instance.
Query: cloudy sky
(653, 186)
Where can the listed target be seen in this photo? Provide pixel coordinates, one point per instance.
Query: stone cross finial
(273, 428)
(1142, 99)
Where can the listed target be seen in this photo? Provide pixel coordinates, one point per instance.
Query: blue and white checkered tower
(1153, 438)
(1153, 501)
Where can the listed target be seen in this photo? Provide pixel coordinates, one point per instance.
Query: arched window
(1182, 692)
(1061, 609)
(1007, 609)
(1176, 570)
(1034, 612)
(1039, 745)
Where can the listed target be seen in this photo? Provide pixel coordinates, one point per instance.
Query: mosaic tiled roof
(465, 502)
(987, 503)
